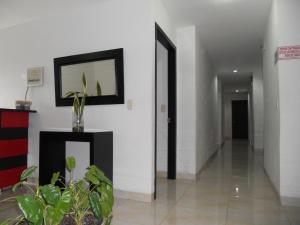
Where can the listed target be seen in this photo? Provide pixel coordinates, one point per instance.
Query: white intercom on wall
(35, 76)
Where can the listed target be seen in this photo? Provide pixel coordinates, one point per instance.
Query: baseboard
(186, 176)
(209, 160)
(189, 176)
(272, 185)
(161, 174)
(286, 201)
(289, 201)
(179, 176)
(259, 150)
(141, 197)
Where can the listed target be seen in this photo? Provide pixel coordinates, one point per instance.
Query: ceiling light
(235, 71)
(237, 91)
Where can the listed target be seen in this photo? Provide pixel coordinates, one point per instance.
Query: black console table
(53, 152)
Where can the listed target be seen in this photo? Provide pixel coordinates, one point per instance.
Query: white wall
(197, 103)
(163, 19)
(197, 91)
(206, 106)
(250, 115)
(228, 98)
(162, 108)
(258, 109)
(186, 100)
(271, 95)
(220, 107)
(282, 102)
(108, 25)
(289, 70)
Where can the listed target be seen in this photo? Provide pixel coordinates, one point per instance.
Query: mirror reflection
(100, 77)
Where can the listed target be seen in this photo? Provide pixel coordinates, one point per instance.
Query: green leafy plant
(51, 204)
(98, 88)
(79, 103)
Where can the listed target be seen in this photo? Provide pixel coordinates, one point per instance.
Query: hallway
(231, 190)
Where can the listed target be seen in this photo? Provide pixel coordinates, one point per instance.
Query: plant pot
(88, 220)
(77, 122)
(23, 105)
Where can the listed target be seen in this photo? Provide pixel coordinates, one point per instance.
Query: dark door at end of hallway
(240, 119)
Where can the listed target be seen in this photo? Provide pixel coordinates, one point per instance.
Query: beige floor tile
(141, 213)
(184, 216)
(118, 222)
(256, 218)
(293, 213)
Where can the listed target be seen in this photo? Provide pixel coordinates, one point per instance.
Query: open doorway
(165, 106)
(237, 106)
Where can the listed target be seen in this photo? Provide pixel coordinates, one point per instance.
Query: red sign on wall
(288, 52)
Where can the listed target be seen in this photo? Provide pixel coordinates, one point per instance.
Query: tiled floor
(232, 190)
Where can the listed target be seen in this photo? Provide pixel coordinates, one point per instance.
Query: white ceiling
(13, 12)
(231, 30)
(233, 82)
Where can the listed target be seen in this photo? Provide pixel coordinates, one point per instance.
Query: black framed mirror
(104, 72)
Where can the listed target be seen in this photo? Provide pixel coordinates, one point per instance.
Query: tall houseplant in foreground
(78, 106)
(85, 202)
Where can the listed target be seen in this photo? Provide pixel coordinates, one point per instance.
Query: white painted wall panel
(271, 95)
(289, 79)
(106, 25)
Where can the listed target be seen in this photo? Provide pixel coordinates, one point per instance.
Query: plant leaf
(51, 194)
(108, 220)
(92, 178)
(99, 174)
(84, 80)
(27, 173)
(55, 178)
(83, 195)
(71, 163)
(98, 87)
(82, 104)
(16, 186)
(106, 199)
(76, 105)
(31, 209)
(95, 204)
(69, 94)
(52, 217)
(64, 204)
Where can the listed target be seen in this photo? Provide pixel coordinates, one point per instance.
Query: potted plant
(88, 201)
(78, 106)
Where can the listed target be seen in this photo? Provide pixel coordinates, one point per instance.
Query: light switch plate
(130, 104)
(163, 108)
(35, 76)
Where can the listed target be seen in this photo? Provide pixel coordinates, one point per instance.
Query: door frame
(162, 37)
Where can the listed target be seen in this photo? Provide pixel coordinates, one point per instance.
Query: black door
(240, 119)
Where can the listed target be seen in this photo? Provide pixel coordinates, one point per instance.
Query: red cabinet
(14, 119)
(13, 145)
(10, 177)
(10, 148)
